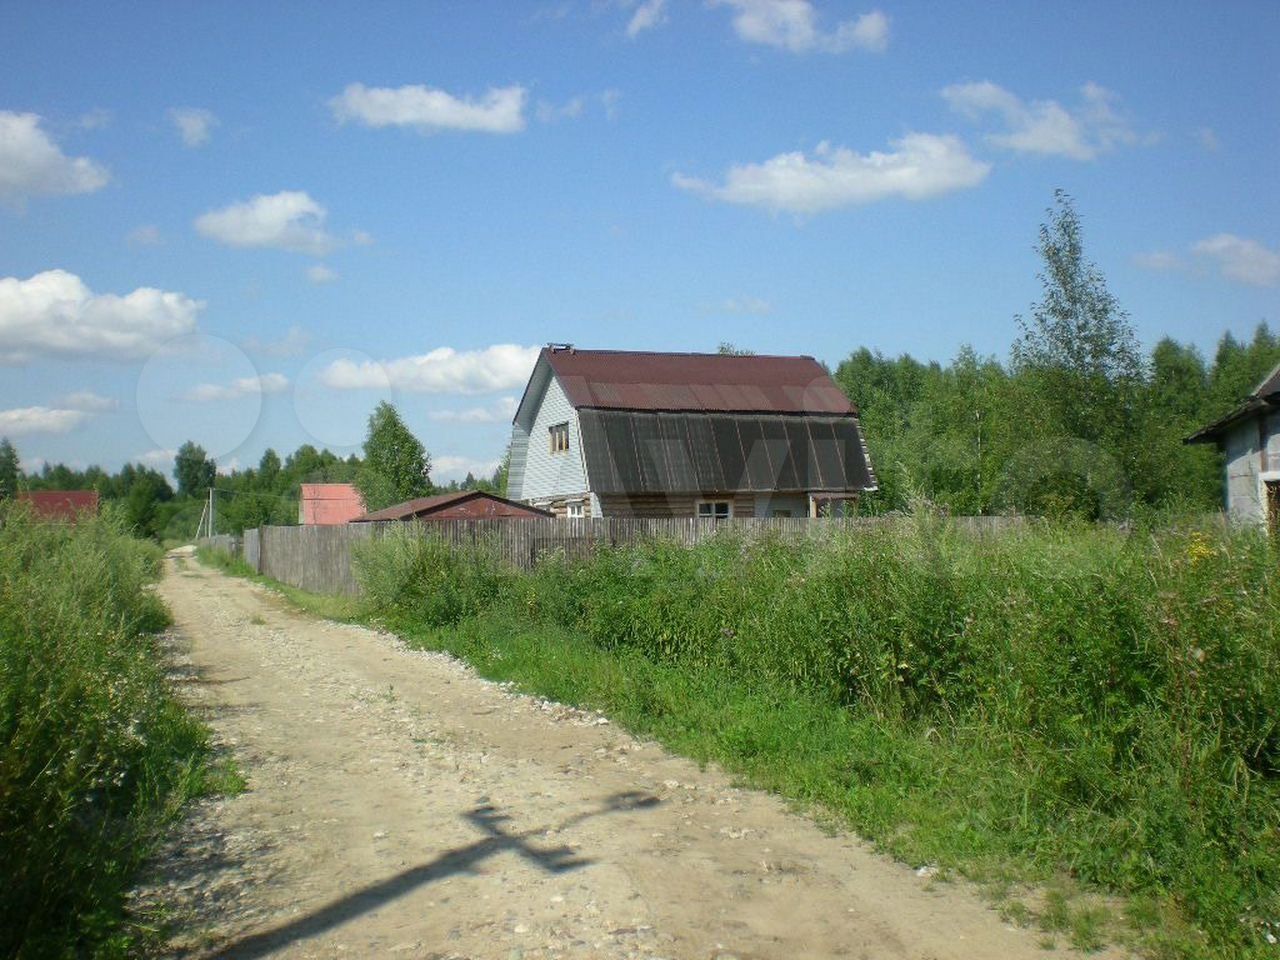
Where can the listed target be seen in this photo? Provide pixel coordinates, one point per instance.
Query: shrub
(94, 752)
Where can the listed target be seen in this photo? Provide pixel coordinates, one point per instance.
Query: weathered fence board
(319, 558)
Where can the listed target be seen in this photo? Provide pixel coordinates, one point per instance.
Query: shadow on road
(496, 839)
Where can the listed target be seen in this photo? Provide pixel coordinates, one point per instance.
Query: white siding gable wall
(518, 451)
(549, 476)
(1244, 469)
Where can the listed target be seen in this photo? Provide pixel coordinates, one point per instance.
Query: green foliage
(10, 470)
(396, 466)
(1078, 345)
(1063, 697)
(1078, 424)
(441, 585)
(94, 752)
(193, 470)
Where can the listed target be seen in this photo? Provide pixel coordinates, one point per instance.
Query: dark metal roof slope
(460, 505)
(1263, 400)
(1270, 385)
(624, 380)
(641, 452)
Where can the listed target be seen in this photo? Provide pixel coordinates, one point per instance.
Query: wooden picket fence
(319, 559)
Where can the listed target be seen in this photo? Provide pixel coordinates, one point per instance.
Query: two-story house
(616, 433)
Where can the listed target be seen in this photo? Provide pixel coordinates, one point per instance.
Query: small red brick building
(463, 505)
(329, 504)
(61, 504)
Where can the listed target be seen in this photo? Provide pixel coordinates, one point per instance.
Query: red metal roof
(61, 504)
(624, 380)
(462, 505)
(329, 504)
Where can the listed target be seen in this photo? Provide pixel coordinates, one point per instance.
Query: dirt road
(400, 806)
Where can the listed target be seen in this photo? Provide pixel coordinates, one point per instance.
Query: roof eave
(1247, 410)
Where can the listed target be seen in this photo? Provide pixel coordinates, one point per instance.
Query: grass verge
(342, 609)
(96, 756)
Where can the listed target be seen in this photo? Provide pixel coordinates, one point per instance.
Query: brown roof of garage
(706, 382)
(461, 505)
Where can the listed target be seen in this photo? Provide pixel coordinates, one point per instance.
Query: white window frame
(554, 431)
(711, 513)
(574, 505)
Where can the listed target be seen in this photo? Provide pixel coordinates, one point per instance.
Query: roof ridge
(687, 353)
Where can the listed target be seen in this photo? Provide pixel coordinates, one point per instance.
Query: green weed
(95, 754)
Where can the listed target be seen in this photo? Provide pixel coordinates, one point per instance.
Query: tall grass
(1065, 699)
(94, 752)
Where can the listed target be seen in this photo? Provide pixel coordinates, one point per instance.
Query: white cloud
(748, 305)
(504, 366)
(500, 110)
(31, 164)
(27, 420)
(242, 387)
(610, 99)
(650, 14)
(1160, 261)
(89, 402)
(500, 412)
(96, 119)
(195, 124)
(448, 467)
(147, 235)
(55, 314)
(1208, 139)
(292, 344)
(1241, 259)
(319, 273)
(920, 166)
(793, 25)
(548, 112)
(1045, 126)
(289, 220)
(158, 459)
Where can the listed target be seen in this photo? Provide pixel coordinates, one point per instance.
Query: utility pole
(212, 509)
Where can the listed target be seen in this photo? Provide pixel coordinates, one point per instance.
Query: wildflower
(1199, 549)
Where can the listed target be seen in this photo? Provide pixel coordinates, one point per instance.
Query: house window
(715, 509)
(559, 438)
(573, 510)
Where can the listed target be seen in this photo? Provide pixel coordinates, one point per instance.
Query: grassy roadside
(96, 755)
(342, 609)
(1081, 721)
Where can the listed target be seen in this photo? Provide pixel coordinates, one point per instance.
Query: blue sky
(245, 224)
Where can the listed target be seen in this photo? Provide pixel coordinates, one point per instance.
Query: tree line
(394, 467)
(1077, 421)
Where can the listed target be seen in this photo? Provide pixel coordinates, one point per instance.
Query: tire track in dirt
(398, 805)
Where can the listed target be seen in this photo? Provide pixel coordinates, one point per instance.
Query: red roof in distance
(463, 505)
(329, 504)
(60, 504)
(626, 380)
